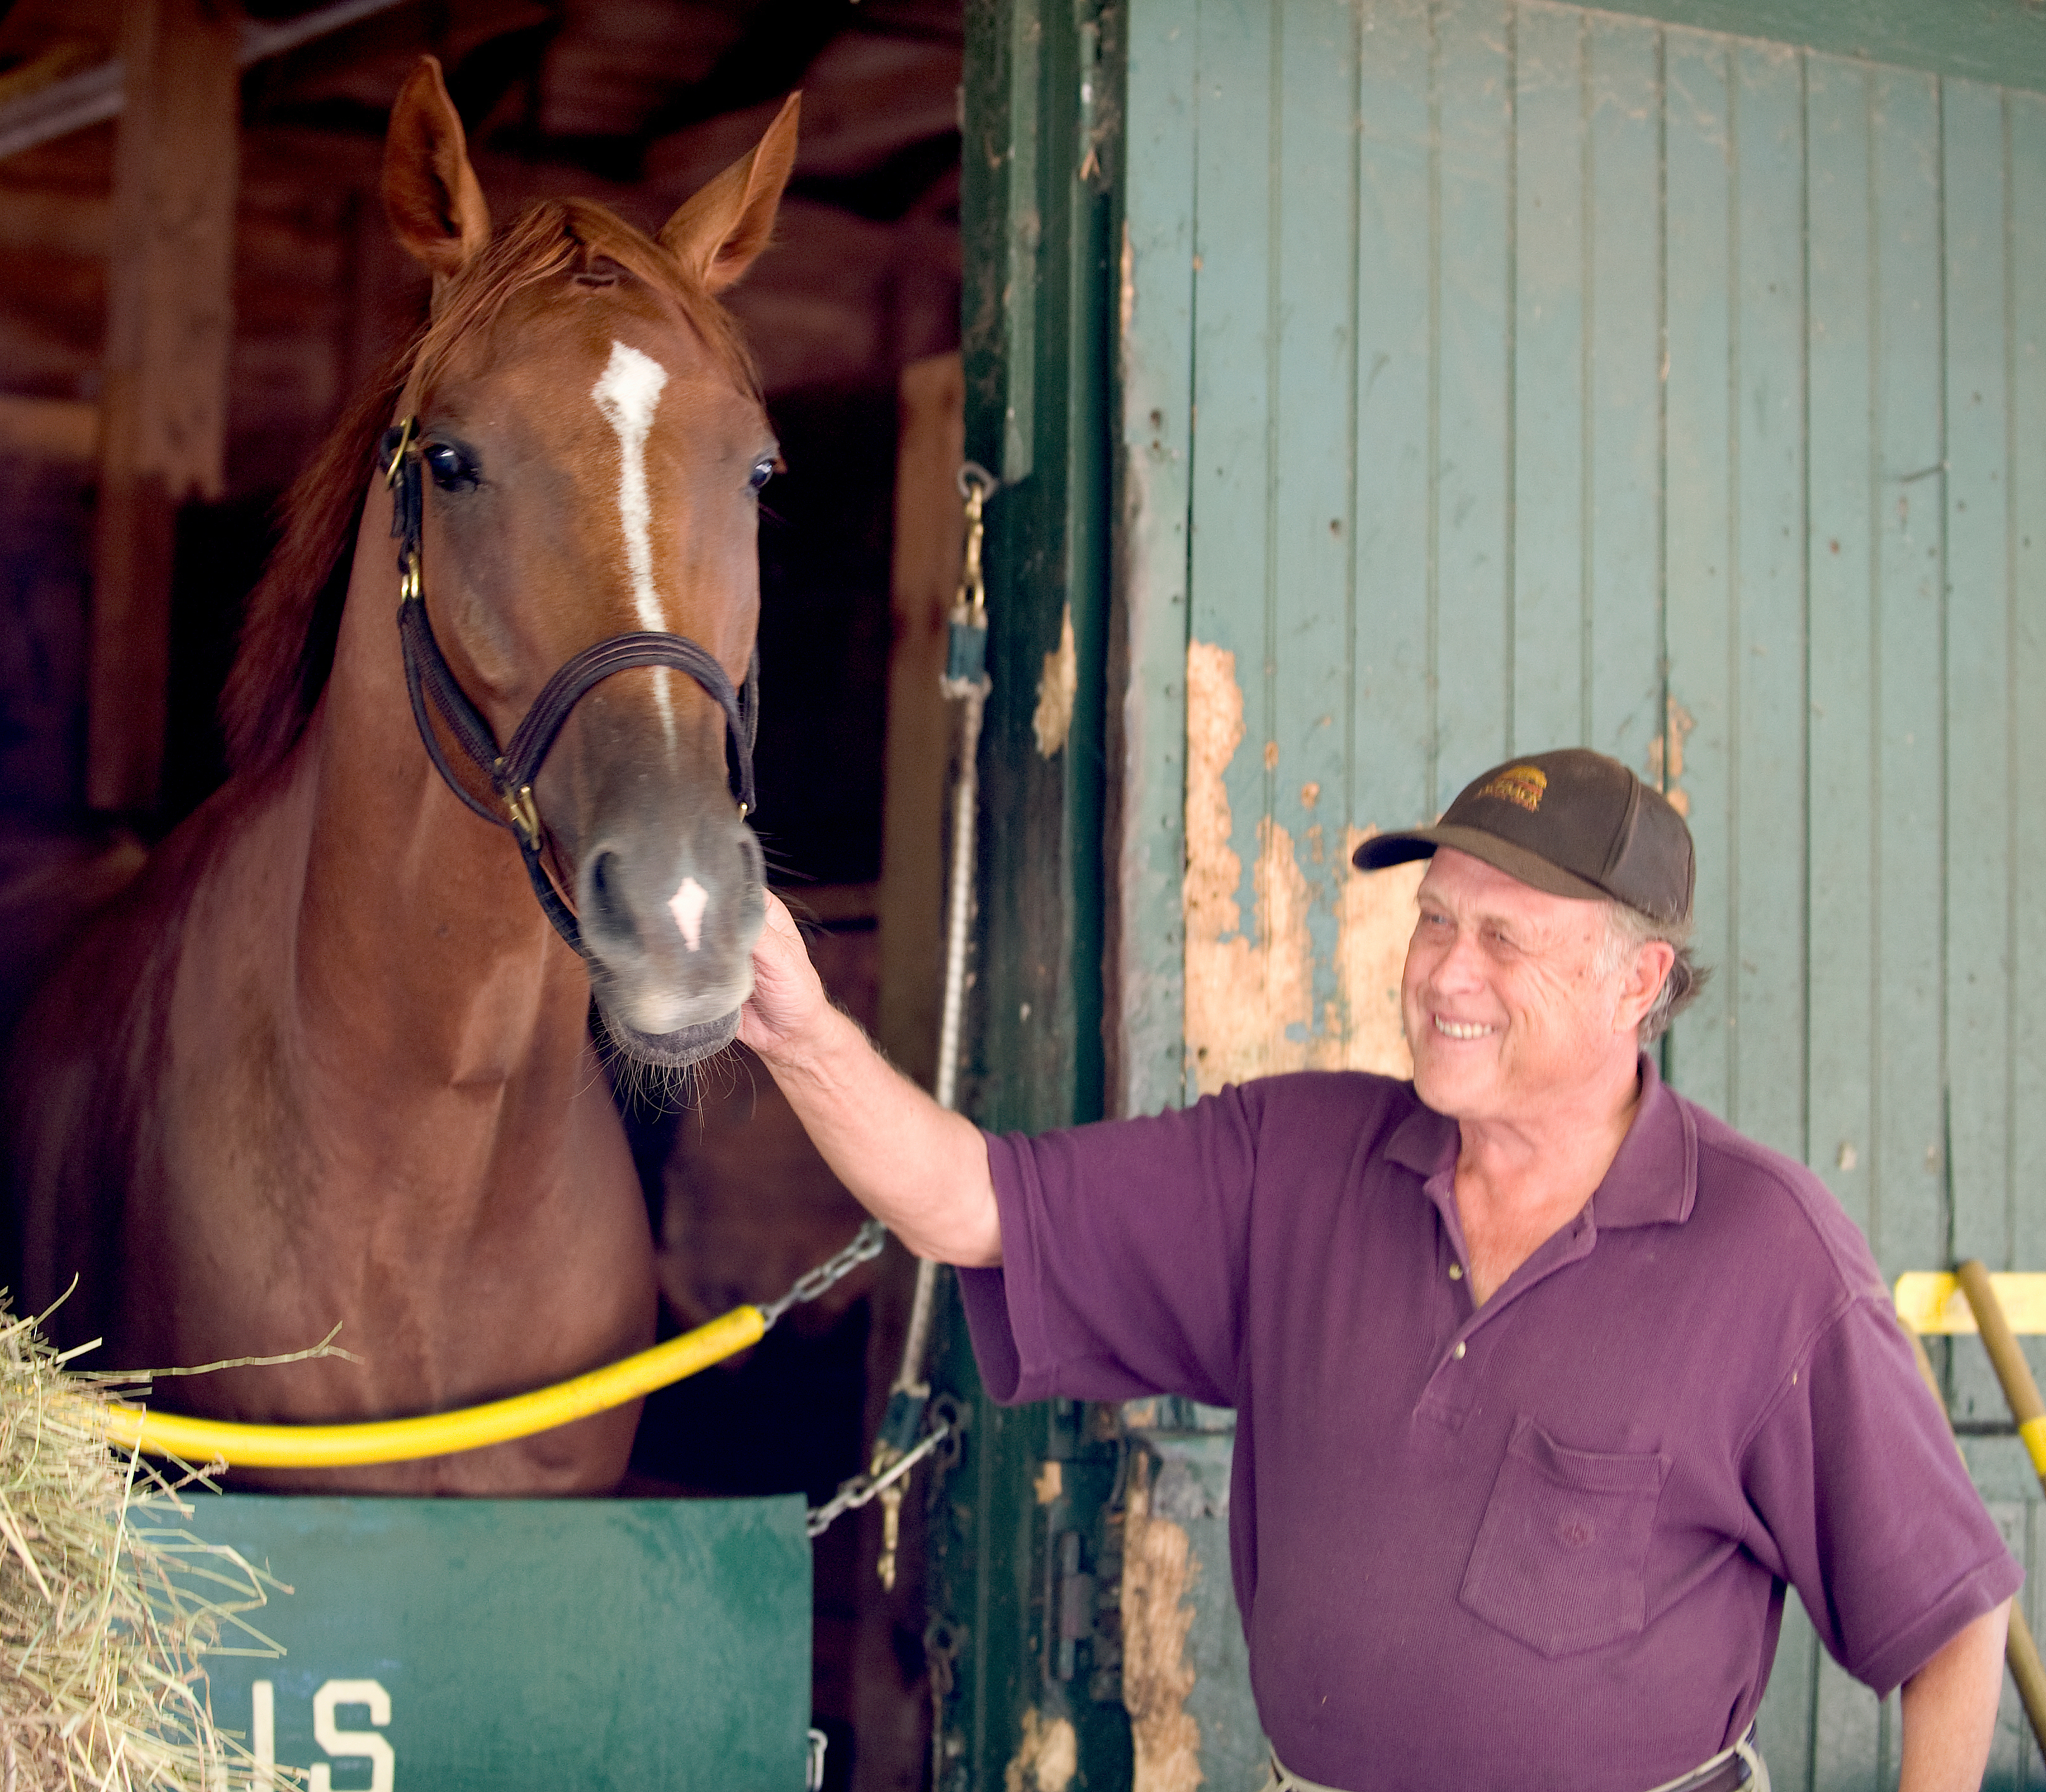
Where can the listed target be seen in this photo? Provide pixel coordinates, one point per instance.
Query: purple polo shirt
(1539, 1543)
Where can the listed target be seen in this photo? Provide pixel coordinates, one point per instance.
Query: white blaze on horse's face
(626, 393)
(687, 905)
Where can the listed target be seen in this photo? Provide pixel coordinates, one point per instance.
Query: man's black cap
(1573, 823)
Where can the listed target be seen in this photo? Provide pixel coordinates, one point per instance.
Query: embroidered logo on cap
(1522, 784)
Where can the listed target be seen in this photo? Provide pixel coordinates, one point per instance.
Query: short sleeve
(1124, 1248)
(1867, 1506)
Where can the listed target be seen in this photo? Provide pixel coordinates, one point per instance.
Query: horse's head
(591, 449)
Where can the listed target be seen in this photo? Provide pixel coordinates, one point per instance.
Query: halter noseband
(510, 772)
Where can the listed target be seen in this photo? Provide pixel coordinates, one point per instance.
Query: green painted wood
(1471, 369)
(1763, 968)
(1235, 354)
(2003, 40)
(1310, 596)
(1390, 716)
(1042, 158)
(1910, 1218)
(1698, 572)
(1622, 376)
(1148, 684)
(1551, 236)
(524, 1645)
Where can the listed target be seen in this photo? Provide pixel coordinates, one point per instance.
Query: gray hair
(1628, 930)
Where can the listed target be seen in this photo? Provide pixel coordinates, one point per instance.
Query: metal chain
(862, 1488)
(866, 1246)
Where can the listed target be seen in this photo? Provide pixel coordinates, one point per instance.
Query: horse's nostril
(606, 902)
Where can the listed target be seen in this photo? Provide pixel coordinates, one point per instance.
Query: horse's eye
(452, 469)
(763, 470)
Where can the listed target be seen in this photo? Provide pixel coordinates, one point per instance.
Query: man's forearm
(1950, 1709)
(906, 1160)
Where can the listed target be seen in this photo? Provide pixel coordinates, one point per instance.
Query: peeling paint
(1250, 995)
(1158, 1570)
(1054, 720)
(1046, 1759)
(1666, 756)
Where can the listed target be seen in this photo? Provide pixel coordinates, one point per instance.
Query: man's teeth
(1455, 1030)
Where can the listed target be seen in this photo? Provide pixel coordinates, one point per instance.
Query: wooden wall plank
(169, 325)
(1977, 798)
(1234, 349)
(1147, 942)
(1763, 971)
(929, 537)
(1908, 1220)
(1314, 388)
(1391, 709)
(1550, 595)
(2027, 647)
(1698, 569)
(1623, 409)
(1470, 656)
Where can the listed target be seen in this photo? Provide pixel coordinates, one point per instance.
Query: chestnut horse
(327, 1060)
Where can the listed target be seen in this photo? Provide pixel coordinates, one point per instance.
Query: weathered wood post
(169, 324)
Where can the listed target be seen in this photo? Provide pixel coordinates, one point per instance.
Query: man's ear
(1645, 978)
(716, 235)
(436, 208)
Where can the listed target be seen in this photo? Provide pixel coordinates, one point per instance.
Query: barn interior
(107, 742)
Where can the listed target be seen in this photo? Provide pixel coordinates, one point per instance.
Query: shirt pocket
(1561, 1558)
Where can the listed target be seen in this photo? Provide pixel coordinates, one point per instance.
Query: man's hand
(1950, 1709)
(912, 1164)
(788, 1004)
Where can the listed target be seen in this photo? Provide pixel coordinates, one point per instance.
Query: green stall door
(522, 1645)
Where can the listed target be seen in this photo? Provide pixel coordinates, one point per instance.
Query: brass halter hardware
(430, 679)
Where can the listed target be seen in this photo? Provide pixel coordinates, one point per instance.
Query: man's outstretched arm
(921, 1171)
(1950, 1709)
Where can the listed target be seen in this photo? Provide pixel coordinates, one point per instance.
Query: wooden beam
(48, 429)
(929, 537)
(168, 330)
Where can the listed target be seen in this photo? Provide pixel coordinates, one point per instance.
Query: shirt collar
(1653, 1180)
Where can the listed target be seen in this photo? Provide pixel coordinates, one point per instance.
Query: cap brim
(1382, 849)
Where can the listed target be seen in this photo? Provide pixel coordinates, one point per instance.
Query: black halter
(511, 773)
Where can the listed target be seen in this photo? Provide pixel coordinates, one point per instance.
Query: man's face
(1509, 1011)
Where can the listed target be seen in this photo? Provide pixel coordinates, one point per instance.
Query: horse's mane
(294, 615)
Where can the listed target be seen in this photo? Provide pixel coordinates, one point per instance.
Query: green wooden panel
(1156, 357)
(1393, 573)
(1908, 1222)
(1236, 350)
(1549, 636)
(1625, 276)
(1841, 970)
(524, 1645)
(1698, 545)
(1310, 597)
(1764, 970)
(1472, 370)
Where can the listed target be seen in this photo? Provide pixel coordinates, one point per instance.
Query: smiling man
(1548, 1382)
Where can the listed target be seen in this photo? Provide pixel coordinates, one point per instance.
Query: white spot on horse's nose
(687, 905)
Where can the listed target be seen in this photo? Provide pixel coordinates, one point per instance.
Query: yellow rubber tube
(199, 1441)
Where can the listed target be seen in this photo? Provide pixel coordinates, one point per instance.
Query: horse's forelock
(294, 615)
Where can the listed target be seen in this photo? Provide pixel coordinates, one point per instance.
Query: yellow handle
(436, 1434)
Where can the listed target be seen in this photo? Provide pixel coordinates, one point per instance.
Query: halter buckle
(525, 814)
(408, 580)
(398, 454)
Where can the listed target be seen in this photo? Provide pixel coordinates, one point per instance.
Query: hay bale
(108, 1603)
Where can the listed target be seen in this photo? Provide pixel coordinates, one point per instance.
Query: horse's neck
(423, 964)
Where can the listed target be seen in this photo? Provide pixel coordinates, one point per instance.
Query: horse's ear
(431, 195)
(716, 235)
